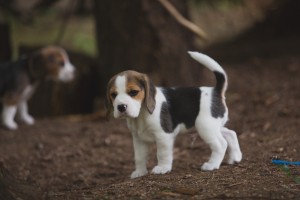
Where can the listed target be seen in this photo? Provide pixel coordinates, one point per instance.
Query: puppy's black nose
(122, 107)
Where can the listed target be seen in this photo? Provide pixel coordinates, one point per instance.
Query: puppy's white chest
(140, 130)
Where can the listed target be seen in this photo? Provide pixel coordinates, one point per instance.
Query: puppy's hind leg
(235, 154)
(211, 134)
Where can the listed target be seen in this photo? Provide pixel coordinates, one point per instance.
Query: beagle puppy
(159, 114)
(19, 79)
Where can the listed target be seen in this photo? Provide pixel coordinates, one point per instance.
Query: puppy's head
(127, 92)
(51, 62)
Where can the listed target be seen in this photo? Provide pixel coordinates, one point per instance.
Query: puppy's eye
(133, 93)
(113, 95)
(61, 63)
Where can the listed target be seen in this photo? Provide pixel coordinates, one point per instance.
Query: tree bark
(5, 41)
(141, 35)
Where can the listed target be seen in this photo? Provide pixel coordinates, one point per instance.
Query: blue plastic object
(283, 162)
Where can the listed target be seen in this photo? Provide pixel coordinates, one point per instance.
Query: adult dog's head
(128, 92)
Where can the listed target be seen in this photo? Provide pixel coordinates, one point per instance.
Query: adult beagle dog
(158, 114)
(19, 79)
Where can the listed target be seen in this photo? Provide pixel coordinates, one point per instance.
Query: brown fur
(12, 97)
(135, 81)
(134, 86)
(47, 62)
(42, 64)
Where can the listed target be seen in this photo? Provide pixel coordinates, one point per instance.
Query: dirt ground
(70, 159)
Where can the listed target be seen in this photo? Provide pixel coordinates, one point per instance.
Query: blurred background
(104, 37)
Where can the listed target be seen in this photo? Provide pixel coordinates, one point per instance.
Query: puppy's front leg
(140, 157)
(164, 143)
(8, 115)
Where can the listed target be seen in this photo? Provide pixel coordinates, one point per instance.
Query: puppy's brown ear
(109, 108)
(37, 65)
(108, 102)
(150, 93)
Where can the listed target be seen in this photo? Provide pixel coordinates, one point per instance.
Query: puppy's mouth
(123, 115)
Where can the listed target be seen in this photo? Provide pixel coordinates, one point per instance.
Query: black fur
(217, 106)
(183, 107)
(165, 118)
(9, 73)
(220, 81)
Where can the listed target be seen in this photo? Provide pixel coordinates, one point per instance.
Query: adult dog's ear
(150, 92)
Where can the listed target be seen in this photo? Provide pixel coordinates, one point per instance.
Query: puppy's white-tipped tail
(212, 65)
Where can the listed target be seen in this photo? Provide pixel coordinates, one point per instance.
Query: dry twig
(183, 21)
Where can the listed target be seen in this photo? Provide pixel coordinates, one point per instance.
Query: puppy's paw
(138, 173)
(235, 157)
(209, 166)
(29, 120)
(11, 125)
(161, 169)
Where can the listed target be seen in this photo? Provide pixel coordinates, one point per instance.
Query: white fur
(23, 107)
(23, 113)
(66, 73)
(206, 61)
(210, 63)
(133, 106)
(9, 111)
(235, 154)
(208, 128)
(8, 114)
(146, 128)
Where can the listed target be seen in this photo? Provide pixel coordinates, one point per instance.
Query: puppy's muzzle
(122, 108)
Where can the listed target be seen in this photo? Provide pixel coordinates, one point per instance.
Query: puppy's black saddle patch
(182, 106)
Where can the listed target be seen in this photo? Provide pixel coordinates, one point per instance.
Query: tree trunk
(5, 47)
(141, 35)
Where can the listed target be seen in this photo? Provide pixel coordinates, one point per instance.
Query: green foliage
(45, 27)
(288, 172)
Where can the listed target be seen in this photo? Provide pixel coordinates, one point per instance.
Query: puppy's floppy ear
(150, 93)
(37, 65)
(109, 108)
(108, 102)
